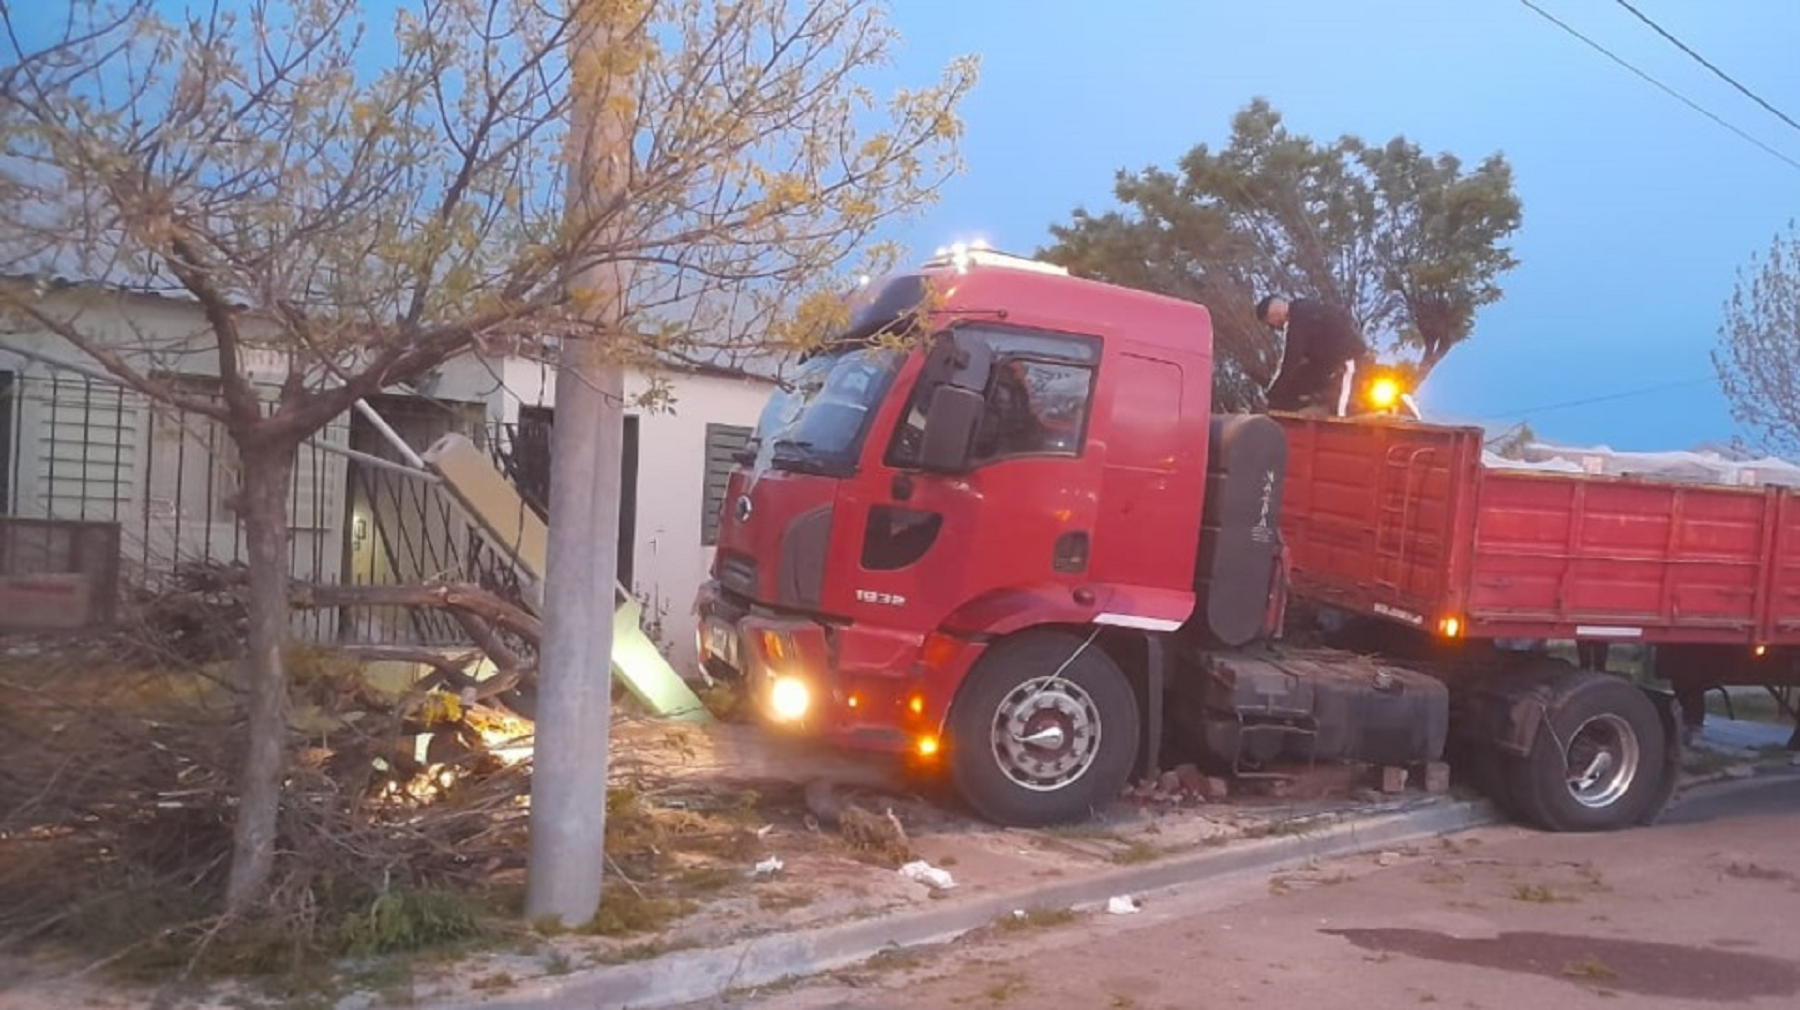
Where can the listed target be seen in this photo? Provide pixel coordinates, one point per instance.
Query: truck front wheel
(1044, 731)
(1597, 759)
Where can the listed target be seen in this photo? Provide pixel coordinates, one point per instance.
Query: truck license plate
(722, 642)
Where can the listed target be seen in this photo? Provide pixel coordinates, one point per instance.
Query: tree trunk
(263, 500)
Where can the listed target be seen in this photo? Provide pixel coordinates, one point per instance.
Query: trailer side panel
(1376, 517)
(1401, 521)
(1601, 558)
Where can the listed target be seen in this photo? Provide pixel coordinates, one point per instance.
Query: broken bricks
(1183, 782)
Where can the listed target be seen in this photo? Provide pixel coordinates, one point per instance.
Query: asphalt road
(1698, 911)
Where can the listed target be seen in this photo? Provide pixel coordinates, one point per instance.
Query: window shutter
(722, 442)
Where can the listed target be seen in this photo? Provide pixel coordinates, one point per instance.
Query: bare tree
(1758, 357)
(359, 203)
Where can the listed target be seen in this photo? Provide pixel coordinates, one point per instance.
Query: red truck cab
(996, 466)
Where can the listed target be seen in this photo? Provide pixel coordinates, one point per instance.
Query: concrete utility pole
(568, 782)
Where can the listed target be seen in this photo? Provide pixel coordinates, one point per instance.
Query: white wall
(88, 449)
(669, 560)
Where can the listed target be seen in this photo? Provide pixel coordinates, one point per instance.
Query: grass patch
(1035, 918)
(1590, 967)
(499, 981)
(641, 951)
(408, 920)
(1751, 871)
(1591, 878)
(1540, 894)
(626, 912)
(1087, 830)
(1136, 851)
(154, 932)
(1277, 829)
(895, 959)
(726, 703)
(708, 879)
(1705, 761)
(1006, 990)
(1758, 707)
(782, 901)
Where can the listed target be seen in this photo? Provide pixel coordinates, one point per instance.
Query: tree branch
(464, 597)
(110, 359)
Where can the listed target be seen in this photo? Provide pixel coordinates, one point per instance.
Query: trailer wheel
(1044, 730)
(1596, 760)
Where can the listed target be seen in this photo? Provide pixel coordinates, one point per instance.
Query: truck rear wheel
(1596, 761)
(1045, 730)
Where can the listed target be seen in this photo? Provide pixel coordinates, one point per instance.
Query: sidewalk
(824, 908)
(1000, 872)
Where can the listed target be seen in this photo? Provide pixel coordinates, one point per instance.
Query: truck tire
(1031, 746)
(1597, 759)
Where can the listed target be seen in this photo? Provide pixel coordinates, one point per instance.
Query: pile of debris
(118, 794)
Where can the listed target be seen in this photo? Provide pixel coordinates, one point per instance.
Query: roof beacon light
(963, 256)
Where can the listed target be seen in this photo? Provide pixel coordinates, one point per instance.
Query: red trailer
(1403, 521)
(1472, 568)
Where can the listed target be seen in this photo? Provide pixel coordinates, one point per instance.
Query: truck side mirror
(958, 361)
(950, 425)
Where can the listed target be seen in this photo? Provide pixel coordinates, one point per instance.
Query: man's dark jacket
(1320, 338)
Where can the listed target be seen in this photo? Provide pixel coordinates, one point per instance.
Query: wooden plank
(471, 477)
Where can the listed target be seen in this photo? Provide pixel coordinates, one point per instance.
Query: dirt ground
(726, 799)
(1693, 913)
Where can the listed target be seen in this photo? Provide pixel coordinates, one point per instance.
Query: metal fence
(77, 446)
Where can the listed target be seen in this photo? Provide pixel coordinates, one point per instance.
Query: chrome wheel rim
(1045, 735)
(1601, 760)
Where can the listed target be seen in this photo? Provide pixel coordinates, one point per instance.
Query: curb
(691, 975)
(1706, 787)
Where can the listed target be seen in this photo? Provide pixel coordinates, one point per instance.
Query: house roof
(49, 283)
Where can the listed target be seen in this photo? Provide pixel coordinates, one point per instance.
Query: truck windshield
(818, 424)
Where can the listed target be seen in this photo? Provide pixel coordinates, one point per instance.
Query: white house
(76, 445)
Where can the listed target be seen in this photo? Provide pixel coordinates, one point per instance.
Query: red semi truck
(996, 524)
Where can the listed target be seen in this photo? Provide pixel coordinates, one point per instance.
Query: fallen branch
(509, 668)
(461, 597)
(450, 671)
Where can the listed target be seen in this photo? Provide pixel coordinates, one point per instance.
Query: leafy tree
(1758, 356)
(364, 212)
(1411, 244)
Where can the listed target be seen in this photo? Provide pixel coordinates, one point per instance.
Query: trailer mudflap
(1669, 709)
(1506, 714)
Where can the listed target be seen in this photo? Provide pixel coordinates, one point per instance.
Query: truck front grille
(738, 574)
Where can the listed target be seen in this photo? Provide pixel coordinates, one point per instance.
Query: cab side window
(1035, 408)
(1039, 394)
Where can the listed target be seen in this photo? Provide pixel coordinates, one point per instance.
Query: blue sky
(1638, 211)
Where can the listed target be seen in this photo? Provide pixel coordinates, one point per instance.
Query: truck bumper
(855, 686)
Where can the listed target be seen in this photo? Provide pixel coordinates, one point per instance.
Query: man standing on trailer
(1321, 352)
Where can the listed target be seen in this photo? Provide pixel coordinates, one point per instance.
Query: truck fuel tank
(1307, 705)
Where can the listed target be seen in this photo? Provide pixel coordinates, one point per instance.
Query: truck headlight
(789, 698)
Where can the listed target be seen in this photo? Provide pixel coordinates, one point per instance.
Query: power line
(1703, 61)
(1671, 92)
(1586, 401)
